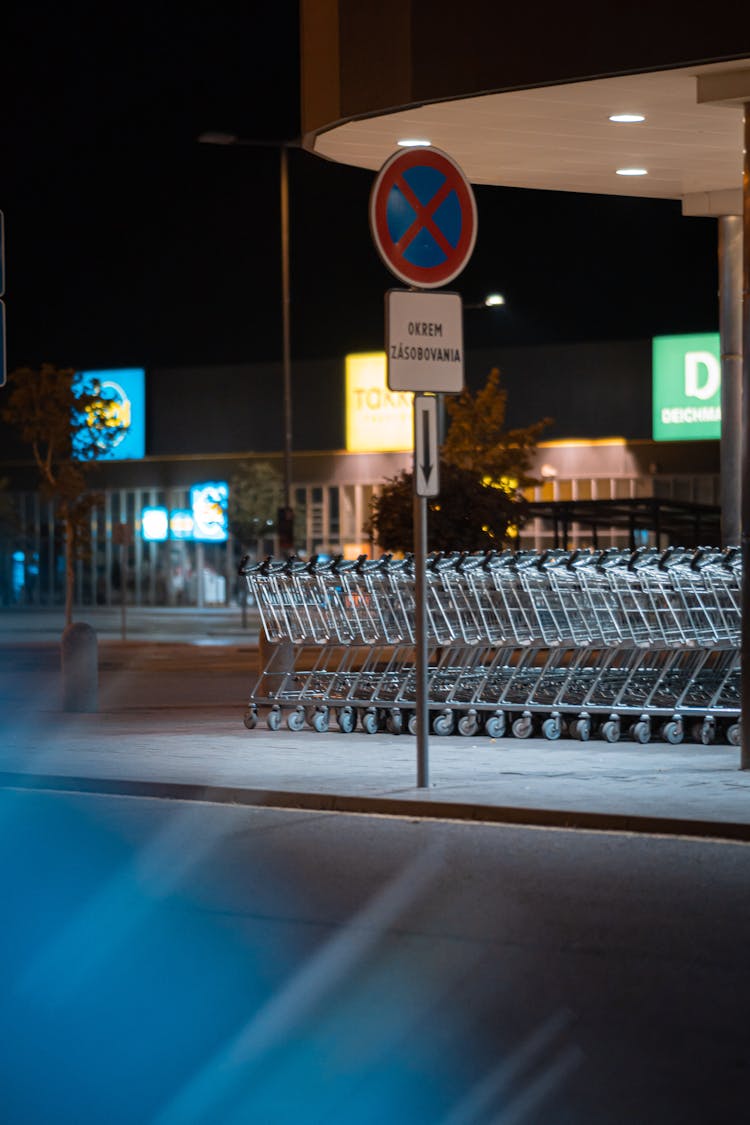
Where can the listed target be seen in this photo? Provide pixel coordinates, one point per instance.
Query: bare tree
(68, 426)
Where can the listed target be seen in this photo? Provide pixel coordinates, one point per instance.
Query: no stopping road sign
(423, 217)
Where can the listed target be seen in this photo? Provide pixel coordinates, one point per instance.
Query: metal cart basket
(580, 643)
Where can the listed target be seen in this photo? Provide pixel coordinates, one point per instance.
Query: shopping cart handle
(665, 557)
(634, 557)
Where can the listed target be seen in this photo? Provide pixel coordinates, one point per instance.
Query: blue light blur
(129, 993)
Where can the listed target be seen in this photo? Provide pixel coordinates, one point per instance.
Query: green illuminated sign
(686, 387)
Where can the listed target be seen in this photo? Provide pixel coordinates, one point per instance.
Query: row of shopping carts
(583, 643)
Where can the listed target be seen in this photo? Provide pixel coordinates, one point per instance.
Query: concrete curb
(384, 806)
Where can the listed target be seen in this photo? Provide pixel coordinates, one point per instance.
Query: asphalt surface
(193, 963)
(169, 723)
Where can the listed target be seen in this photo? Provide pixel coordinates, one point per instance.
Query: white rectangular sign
(424, 341)
(426, 465)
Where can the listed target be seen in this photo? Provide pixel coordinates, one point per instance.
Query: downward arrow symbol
(426, 454)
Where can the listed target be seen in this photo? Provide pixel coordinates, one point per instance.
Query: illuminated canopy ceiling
(561, 138)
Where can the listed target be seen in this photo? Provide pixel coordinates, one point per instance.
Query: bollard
(80, 668)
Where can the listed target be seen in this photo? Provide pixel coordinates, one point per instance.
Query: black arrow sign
(426, 463)
(426, 453)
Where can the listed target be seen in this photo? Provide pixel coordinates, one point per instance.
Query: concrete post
(730, 327)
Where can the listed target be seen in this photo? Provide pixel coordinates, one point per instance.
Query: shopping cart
(557, 642)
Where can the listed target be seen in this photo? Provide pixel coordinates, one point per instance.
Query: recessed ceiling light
(632, 172)
(626, 118)
(414, 142)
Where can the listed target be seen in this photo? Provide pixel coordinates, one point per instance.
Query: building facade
(146, 537)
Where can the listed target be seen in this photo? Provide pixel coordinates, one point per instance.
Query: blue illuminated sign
(124, 390)
(181, 523)
(209, 508)
(154, 524)
(205, 520)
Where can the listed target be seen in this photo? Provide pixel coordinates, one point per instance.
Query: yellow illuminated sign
(378, 420)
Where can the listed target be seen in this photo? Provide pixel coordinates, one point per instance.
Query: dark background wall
(589, 390)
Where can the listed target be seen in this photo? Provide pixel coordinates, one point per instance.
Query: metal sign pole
(426, 483)
(420, 639)
(424, 342)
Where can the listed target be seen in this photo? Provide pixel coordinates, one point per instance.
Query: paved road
(187, 963)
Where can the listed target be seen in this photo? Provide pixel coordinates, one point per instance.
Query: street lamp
(214, 138)
(491, 301)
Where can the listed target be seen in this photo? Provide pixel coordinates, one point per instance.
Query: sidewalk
(215, 624)
(170, 725)
(206, 753)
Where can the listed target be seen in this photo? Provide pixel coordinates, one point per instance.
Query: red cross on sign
(423, 217)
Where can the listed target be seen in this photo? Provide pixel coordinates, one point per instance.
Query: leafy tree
(467, 515)
(255, 496)
(483, 469)
(478, 441)
(69, 426)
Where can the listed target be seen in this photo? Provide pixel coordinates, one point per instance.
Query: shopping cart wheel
(394, 721)
(552, 727)
(295, 720)
(734, 734)
(250, 718)
(369, 721)
(468, 724)
(273, 718)
(610, 729)
(411, 724)
(641, 731)
(521, 726)
(580, 728)
(443, 723)
(704, 730)
(320, 720)
(494, 727)
(672, 731)
(346, 719)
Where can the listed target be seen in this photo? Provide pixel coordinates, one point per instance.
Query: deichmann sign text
(686, 387)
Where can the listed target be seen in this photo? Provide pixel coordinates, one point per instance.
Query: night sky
(127, 242)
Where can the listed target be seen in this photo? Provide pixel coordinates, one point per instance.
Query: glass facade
(176, 571)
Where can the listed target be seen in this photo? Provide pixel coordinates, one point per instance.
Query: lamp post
(229, 139)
